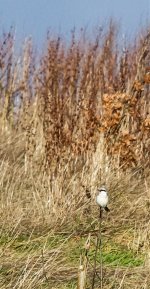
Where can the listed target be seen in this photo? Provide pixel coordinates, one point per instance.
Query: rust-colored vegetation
(75, 92)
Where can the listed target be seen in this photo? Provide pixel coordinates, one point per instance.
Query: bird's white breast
(102, 199)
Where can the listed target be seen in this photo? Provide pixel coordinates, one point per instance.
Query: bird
(102, 198)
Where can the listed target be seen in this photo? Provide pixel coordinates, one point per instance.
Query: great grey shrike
(102, 198)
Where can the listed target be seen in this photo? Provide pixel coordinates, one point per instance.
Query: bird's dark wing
(107, 209)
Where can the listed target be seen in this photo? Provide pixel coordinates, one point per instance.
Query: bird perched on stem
(102, 199)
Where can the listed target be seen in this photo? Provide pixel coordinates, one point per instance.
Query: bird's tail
(107, 209)
(100, 213)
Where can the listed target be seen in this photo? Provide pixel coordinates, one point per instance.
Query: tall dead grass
(76, 92)
(72, 118)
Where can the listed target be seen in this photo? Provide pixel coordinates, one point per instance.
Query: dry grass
(73, 119)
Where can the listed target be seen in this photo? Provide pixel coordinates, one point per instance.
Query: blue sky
(35, 17)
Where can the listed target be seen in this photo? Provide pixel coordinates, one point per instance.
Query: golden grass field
(73, 117)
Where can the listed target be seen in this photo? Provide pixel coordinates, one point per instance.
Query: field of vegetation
(73, 117)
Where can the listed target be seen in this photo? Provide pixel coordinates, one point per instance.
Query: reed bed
(72, 117)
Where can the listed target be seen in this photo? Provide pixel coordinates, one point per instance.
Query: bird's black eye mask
(101, 190)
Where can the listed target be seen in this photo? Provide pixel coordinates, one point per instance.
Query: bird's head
(102, 188)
